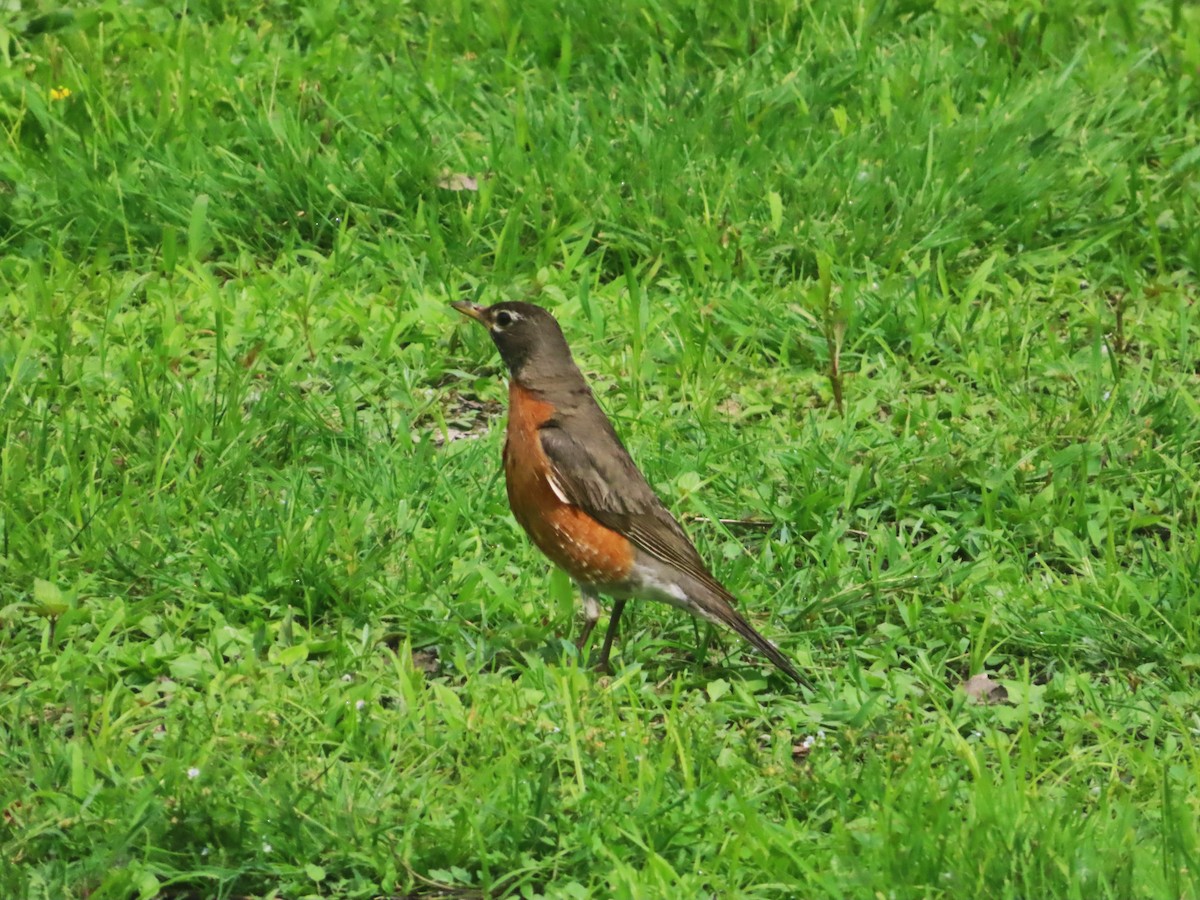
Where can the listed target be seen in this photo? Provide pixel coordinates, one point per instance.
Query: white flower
(359, 704)
(193, 773)
(267, 848)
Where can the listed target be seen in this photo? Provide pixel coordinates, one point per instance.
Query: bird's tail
(721, 611)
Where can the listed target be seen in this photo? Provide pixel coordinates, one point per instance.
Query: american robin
(575, 490)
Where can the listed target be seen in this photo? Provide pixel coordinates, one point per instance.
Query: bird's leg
(618, 608)
(591, 615)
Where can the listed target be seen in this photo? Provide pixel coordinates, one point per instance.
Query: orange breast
(575, 542)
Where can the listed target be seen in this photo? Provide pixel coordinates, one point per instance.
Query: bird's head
(526, 335)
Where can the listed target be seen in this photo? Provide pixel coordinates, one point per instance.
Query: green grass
(250, 459)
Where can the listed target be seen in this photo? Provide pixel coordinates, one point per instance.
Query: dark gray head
(527, 336)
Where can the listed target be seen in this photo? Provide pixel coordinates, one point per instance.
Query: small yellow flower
(60, 93)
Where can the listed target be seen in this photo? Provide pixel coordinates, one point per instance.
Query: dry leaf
(426, 661)
(982, 689)
(730, 407)
(465, 418)
(457, 181)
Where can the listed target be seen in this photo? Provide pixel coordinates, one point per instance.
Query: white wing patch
(557, 488)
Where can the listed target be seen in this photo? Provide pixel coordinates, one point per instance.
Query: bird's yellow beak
(471, 310)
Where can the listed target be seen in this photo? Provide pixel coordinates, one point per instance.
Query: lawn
(895, 304)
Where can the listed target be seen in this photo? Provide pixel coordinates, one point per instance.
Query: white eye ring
(503, 319)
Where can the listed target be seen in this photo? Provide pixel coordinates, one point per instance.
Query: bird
(577, 493)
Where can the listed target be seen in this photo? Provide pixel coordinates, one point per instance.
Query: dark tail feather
(721, 611)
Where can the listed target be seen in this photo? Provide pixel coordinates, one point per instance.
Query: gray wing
(601, 479)
(584, 474)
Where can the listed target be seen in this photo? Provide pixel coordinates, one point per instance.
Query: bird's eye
(503, 319)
